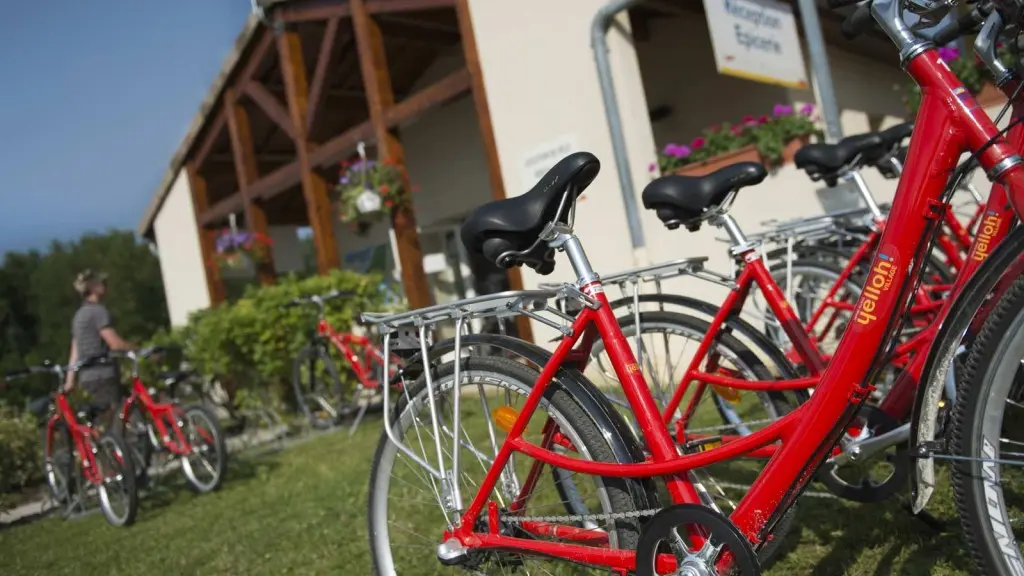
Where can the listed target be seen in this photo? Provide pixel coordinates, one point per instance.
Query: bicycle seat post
(865, 192)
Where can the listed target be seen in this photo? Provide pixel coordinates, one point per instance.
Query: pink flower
(652, 167)
(698, 142)
(782, 110)
(737, 130)
(749, 120)
(763, 119)
(949, 53)
(807, 109)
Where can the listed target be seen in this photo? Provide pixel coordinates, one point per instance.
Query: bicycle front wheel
(119, 499)
(988, 434)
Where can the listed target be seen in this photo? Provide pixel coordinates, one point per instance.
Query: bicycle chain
(582, 517)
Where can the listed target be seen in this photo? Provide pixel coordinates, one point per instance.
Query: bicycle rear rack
(409, 333)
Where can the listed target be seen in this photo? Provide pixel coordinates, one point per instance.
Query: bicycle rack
(409, 333)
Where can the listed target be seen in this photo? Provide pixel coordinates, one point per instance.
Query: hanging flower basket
(370, 191)
(236, 248)
(771, 140)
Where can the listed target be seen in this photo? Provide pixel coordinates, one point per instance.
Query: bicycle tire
(624, 494)
(121, 459)
(137, 438)
(993, 364)
(62, 466)
(312, 356)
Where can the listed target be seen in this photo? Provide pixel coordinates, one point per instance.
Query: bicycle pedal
(702, 444)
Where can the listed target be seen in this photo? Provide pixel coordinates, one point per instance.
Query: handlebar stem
(890, 19)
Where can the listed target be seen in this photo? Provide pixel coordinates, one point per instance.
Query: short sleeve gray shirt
(85, 329)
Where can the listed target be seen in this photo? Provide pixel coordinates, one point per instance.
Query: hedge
(250, 344)
(20, 453)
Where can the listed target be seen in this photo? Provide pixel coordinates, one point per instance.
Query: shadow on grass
(173, 487)
(898, 541)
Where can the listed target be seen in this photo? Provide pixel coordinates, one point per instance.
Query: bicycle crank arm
(865, 449)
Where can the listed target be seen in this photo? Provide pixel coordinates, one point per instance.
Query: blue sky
(95, 98)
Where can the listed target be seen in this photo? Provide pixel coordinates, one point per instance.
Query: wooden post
(244, 153)
(314, 189)
(380, 98)
(483, 117)
(200, 202)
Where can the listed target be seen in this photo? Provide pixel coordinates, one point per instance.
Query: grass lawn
(302, 511)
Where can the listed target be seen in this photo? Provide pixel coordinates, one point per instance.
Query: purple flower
(652, 167)
(698, 142)
(949, 53)
(807, 109)
(782, 110)
(682, 151)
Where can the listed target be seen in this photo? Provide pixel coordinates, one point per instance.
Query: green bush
(250, 344)
(19, 452)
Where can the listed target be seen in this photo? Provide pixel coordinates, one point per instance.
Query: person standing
(93, 335)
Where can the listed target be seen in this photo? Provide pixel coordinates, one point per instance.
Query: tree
(37, 300)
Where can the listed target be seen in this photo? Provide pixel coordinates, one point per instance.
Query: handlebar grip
(964, 24)
(835, 4)
(857, 23)
(17, 373)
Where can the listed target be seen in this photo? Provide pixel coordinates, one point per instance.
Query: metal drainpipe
(820, 70)
(598, 32)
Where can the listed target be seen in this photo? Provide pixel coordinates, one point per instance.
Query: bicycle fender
(951, 334)
(623, 440)
(736, 324)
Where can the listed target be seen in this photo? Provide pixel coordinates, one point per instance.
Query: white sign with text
(539, 160)
(756, 40)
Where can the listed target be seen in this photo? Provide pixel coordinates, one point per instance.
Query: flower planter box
(745, 154)
(792, 147)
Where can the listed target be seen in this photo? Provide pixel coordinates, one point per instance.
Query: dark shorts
(105, 392)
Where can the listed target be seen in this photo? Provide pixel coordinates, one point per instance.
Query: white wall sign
(539, 160)
(756, 40)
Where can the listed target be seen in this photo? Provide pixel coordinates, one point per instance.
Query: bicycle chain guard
(866, 491)
(661, 535)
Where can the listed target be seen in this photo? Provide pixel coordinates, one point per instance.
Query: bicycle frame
(79, 433)
(949, 122)
(165, 416)
(344, 341)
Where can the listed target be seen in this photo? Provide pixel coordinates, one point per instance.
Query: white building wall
(181, 259)
(541, 86)
(287, 249)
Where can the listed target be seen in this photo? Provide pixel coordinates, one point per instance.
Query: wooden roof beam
(323, 62)
(271, 106)
(449, 87)
(212, 132)
(244, 151)
(380, 98)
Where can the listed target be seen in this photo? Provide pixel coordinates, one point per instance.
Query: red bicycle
(78, 459)
(191, 434)
(319, 390)
(511, 519)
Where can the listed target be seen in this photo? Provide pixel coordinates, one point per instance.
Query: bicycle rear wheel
(404, 513)
(988, 433)
(318, 390)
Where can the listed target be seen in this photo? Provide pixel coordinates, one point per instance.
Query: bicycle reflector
(505, 417)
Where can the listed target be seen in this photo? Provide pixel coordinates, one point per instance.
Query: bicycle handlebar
(317, 299)
(965, 24)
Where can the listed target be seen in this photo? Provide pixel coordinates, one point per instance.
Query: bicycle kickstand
(360, 413)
